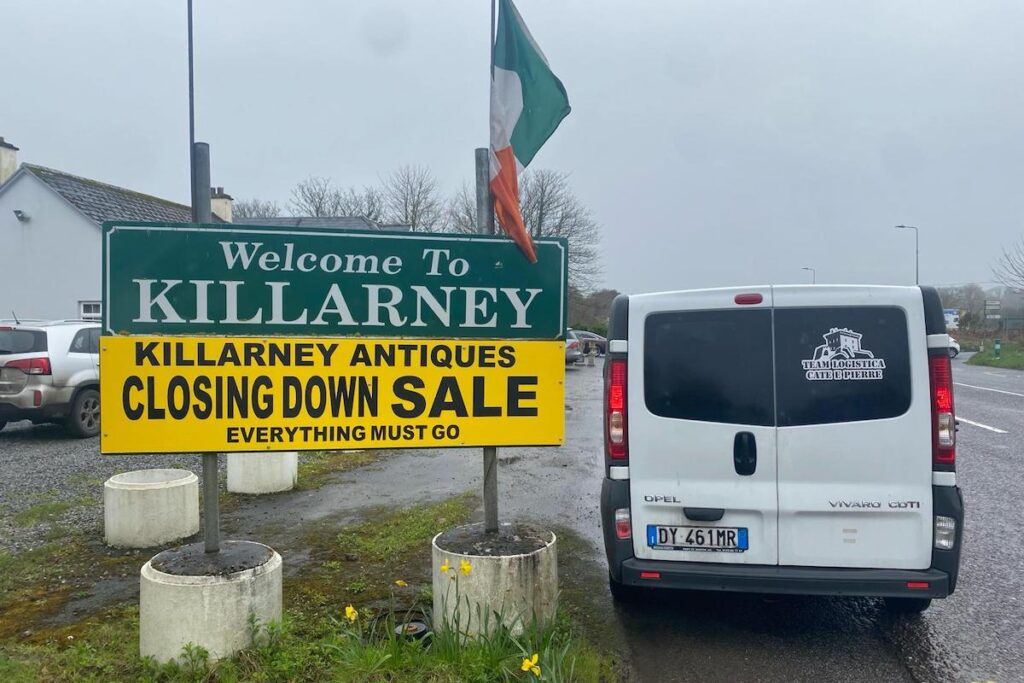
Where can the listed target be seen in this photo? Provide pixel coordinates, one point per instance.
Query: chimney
(8, 160)
(220, 203)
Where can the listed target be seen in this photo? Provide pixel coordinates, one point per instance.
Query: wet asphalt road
(976, 635)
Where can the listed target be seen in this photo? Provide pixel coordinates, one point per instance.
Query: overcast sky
(717, 142)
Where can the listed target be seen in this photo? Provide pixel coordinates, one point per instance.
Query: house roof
(321, 222)
(102, 202)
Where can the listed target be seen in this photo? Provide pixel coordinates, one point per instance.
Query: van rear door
(854, 427)
(701, 424)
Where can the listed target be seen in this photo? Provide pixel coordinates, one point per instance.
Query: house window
(89, 310)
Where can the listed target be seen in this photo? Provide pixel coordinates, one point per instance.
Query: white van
(786, 439)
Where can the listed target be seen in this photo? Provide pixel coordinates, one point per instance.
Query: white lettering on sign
(147, 301)
(244, 256)
(383, 303)
(457, 266)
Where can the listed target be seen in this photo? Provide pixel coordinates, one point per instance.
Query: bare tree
(1009, 269)
(590, 311)
(315, 196)
(550, 209)
(255, 208)
(411, 198)
(369, 203)
(460, 214)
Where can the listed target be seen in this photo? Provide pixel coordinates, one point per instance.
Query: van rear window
(841, 364)
(21, 341)
(713, 366)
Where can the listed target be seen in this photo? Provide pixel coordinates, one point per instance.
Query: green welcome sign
(183, 279)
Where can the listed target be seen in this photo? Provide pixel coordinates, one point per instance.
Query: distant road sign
(180, 279)
(993, 304)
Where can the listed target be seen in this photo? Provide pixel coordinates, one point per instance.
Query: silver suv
(50, 372)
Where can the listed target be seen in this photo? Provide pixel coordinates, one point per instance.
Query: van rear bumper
(792, 580)
(625, 568)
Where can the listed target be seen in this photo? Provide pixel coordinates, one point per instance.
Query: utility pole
(917, 252)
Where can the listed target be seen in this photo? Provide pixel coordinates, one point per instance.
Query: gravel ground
(42, 464)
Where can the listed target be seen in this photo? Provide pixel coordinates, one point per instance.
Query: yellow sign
(217, 394)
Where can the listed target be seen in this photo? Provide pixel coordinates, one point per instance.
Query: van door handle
(704, 514)
(744, 453)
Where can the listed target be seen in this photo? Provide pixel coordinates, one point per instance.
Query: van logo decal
(842, 357)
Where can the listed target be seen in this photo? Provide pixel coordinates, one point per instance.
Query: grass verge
(36, 583)
(356, 566)
(42, 512)
(1011, 357)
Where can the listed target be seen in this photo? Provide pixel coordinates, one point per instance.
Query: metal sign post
(201, 213)
(485, 225)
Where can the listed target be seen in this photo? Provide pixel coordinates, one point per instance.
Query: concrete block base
(264, 472)
(520, 587)
(207, 610)
(147, 508)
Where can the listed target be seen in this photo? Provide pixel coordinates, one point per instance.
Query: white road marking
(994, 374)
(998, 391)
(978, 424)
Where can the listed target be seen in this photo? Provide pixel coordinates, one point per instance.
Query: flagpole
(491, 228)
(485, 225)
(191, 118)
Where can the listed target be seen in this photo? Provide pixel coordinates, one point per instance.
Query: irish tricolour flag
(527, 104)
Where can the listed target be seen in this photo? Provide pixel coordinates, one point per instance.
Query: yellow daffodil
(401, 584)
(531, 665)
(351, 613)
(465, 567)
(445, 567)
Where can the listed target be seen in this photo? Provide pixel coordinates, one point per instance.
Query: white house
(50, 235)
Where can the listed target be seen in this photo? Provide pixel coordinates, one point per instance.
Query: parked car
(954, 348)
(572, 347)
(782, 440)
(49, 372)
(588, 339)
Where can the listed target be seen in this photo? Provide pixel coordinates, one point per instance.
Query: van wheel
(907, 605)
(953, 353)
(622, 593)
(84, 419)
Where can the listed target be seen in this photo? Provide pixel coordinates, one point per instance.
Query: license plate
(729, 539)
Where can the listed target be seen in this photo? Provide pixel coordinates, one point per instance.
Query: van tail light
(945, 533)
(615, 410)
(943, 415)
(623, 524)
(31, 366)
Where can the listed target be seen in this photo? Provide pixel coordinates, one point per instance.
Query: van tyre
(84, 419)
(953, 353)
(907, 605)
(622, 593)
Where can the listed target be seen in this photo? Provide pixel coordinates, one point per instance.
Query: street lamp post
(917, 252)
(814, 278)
